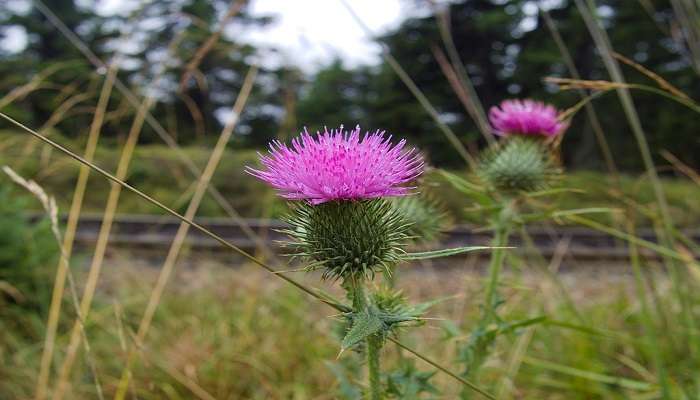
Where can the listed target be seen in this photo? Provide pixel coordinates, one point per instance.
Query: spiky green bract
(520, 164)
(427, 217)
(348, 239)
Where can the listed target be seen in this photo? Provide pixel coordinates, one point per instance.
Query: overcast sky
(308, 32)
(312, 32)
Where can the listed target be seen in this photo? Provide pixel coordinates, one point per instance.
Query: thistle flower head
(526, 117)
(339, 165)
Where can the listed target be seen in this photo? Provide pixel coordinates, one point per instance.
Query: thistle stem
(502, 231)
(374, 346)
(356, 291)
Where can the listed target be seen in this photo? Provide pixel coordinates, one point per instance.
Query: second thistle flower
(521, 162)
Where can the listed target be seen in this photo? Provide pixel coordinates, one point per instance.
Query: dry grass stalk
(183, 229)
(105, 228)
(58, 115)
(71, 226)
(460, 91)
(663, 83)
(590, 110)
(35, 83)
(49, 205)
(474, 106)
(202, 51)
(685, 169)
(576, 84)
(687, 28)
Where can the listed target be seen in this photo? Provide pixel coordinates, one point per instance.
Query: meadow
(230, 332)
(363, 301)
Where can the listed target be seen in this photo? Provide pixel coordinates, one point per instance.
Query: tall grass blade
(104, 234)
(590, 109)
(471, 101)
(651, 335)
(605, 49)
(183, 229)
(69, 235)
(590, 375)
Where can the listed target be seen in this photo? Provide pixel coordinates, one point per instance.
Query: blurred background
(423, 70)
(330, 63)
(320, 67)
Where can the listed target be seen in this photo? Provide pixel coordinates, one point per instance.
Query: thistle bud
(348, 238)
(519, 164)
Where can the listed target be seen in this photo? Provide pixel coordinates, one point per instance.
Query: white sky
(309, 33)
(312, 32)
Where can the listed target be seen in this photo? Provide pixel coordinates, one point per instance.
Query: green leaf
(590, 375)
(549, 192)
(445, 252)
(408, 383)
(347, 390)
(511, 326)
(476, 192)
(364, 325)
(420, 308)
(590, 210)
(450, 330)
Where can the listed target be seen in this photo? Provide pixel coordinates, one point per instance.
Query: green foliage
(425, 255)
(217, 322)
(364, 324)
(347, 238)
(426, 216)
(28, 255)
(409, 383)
(344, 371)
(518, 165)
(386, 312)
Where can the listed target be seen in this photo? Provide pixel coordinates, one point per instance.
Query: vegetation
(248, 327)
(506, 46)
(157, 168)
(235, 333)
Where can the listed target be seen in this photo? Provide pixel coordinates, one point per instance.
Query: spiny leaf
(408, 383)
(364, 325)
(444, 252)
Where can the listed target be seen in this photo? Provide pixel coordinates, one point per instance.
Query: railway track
(142, 232)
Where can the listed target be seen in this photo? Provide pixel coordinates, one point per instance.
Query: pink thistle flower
(526, 117)
(339, 165)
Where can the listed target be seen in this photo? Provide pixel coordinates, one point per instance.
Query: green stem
(356, 291)
(502, 227)
(374, 346)
(651, 336)
(500, 240)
